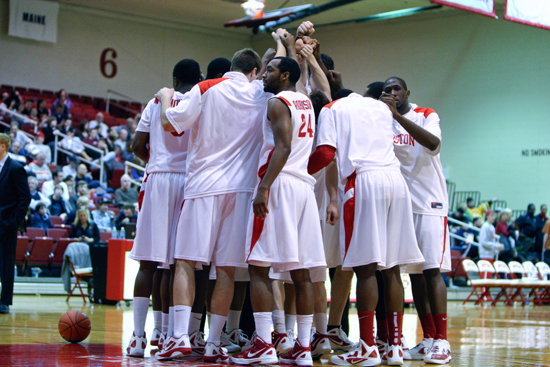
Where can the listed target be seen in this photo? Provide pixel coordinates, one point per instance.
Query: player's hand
(260, 203)
(305, 29)
(390, 101)
(278, 34)
(164, 94)
(268, 56)
(287, 39)
(332, 213)
(304, 53)
(335, 80)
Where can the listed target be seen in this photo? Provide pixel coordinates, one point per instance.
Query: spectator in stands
(82, 202)
(63, 99)
(505, 230)
(49, 129)
(71, 185)
(93, 137)
(39, 147)
(42, 109)
(82, 174)
(17, 153)
(57, 180)
(40, 218)
(541, 221)
(73, 144)
(58, 207)
(84, 228)
(13, 101)
(34, 115)
(126, 195)
(138, 174)
(477, 212)
(36, 196)
(546, 242)
(65, 126)
(103, 217)
(126, 216)
(59, 114)
(20, 136)
(27, 107)
(40, 168)
(527, 225)
(70, 169)
(489, 247)
(128, 127)
(122, 139)
(100, 125)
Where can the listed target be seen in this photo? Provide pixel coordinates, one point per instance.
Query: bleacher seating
(41, 251)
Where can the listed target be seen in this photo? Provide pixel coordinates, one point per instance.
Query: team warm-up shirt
(420, 166)
(224, 117)
(167, 151)
(360, 129)
(303, 131)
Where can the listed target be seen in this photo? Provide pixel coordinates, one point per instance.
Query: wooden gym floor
(490, 336)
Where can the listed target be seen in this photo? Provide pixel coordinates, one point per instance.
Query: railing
(99, 165)
(22, 118)
(133, 165)
(108, 101)
(461, 196)
(468, 241)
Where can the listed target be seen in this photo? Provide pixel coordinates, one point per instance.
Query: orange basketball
(74, 326)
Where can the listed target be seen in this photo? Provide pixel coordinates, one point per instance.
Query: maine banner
(34, 19)
(483, 7)
(535, 13)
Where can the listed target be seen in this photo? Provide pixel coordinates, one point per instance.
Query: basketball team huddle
(267, 173)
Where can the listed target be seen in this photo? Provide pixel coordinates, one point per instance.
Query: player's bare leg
(339, 296)
(196, 337)
(157, 306)
(261, 297)
(234, 334)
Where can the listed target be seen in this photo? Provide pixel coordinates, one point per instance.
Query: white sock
(157, 315)
(320, 320)
(279, 321)
(263, 325)
(290, 322)
(216, 326)
(165, 322)
(194, 322)
(141, 306)
(208, 314)
(304, 329)
(170, 331)
(181, 320)
(233, 320)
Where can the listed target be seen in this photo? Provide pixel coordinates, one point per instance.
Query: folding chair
(544, 272)
(470, 267)
(487, 269)
(532, 273)
(507, 285)
(85, 274)
(41, 252)
(517, 269)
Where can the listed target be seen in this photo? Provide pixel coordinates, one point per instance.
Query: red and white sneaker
(419, 352)
(281, 342)
(155, 337)
(339, 341)
(162, 338)
(406, 350)
(381, 346)
(298, 356)
(215, 353)
(440, 352)
(319, 345)
(228, 344)
(361, 355)
(393, 356)
(250, 343)
(259, 353)
(236, 336)
(175, 348)
(197, 343)
(137, 345)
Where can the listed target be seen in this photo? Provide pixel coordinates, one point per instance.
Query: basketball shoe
(381, 346)
(162, 338)
(393, 356)
(236, 336)
(281, 342)
(339, 341)
(419, 352)
(155, 338)
(298, 356)
(406, 350)
(137, 345)
(215, 353)
(175, 348)
(259, 353)
(196, 339)
(249, 343)
(228, 344)
(360, 355)
(319, 344)
(440, 353)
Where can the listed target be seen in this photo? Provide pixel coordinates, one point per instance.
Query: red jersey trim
(426, 111)
(207, 84)
(285, 101)
(333, 102)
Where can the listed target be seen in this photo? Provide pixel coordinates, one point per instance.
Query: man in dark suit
(14, 202)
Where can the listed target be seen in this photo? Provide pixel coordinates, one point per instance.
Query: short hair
(55, 172)
(246, 60)
(187, 71)
(531, 205)
(319, 100)
(400, 80)
(543, 205)
(286, 64)
(32, 178)
(58, 187)
(39, 205)
(342, 93)
(469, 199)
(375, 90)
(5, 140)
(218, 66)
(327, 61)
(460, 210)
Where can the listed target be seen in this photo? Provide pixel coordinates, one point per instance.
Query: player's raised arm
(318, 75)
(268, 56)
(281, 125)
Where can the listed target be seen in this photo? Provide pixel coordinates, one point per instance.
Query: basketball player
(377, 215)
(225, 139)
(284, 232)
(161, 196)
(417, 143)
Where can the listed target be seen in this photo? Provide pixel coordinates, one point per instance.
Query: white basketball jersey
(303, 132)
(167, 151)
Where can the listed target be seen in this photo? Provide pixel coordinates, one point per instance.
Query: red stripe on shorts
(444, 243)
(349, 213)
(140, 199)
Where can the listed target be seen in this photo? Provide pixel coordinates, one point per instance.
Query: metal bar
(91, 163)
(123, 95)
(20, 116)
(57, 132)
(130, 164)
